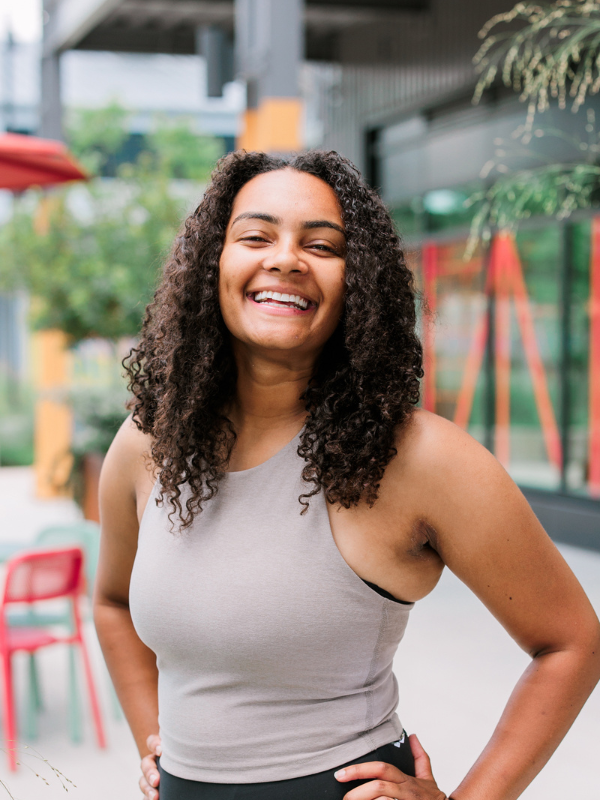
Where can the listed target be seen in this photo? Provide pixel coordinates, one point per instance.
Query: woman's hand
(390, 783)
(150, 778)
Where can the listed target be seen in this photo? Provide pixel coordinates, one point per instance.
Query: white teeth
(294, 299)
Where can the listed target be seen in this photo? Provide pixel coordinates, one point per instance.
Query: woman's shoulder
(129, 456)
(454, 483)
(436, 460)
(427, 438)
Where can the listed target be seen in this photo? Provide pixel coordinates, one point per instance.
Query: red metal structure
(501, 267)
(594, 391)
(27, 161)
(505, 279)
(32, 577)
(466, 394)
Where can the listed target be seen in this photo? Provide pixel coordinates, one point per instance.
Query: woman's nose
(284, 259)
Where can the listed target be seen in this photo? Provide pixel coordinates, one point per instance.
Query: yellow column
(273, 127)
(53, 418)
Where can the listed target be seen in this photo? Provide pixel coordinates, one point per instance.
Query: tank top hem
(385, 733)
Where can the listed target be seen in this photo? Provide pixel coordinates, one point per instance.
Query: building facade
(512, 332)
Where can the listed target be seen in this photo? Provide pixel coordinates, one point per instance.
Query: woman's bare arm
(132, 665)
(487, 534)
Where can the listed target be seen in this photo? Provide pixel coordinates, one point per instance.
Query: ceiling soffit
(168, 26)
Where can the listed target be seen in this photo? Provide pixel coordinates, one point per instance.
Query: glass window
(464, 384)
(578, 468)
(453, 333)
(535, 326)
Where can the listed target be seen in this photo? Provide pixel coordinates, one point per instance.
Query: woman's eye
(324, 248)
(254, 239)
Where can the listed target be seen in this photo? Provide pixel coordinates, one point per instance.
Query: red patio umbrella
(28, 161)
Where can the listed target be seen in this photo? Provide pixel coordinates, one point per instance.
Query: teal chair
(86, 534)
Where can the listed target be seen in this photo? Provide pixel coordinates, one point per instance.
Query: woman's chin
(291, 342)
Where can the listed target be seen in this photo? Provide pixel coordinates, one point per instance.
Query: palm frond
(554, 190)
(555, 54)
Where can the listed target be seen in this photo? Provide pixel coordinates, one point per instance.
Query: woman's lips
(279, 308)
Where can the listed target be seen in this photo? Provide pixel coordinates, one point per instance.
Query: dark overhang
(169, 26)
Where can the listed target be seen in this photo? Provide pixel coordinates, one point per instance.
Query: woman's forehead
(287, 192)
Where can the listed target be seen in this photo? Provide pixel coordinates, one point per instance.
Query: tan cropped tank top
(274, 657)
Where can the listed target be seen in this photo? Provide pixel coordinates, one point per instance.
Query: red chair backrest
(43, 575)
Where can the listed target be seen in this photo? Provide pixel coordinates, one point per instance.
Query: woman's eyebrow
(323, 223)
(258, 215)
(308, 225)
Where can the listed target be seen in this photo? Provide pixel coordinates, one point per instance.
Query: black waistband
(320, 786)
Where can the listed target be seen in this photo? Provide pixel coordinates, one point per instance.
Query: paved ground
(456, 668)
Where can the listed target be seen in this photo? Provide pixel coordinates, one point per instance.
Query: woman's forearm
(132, 667)
(540, 711)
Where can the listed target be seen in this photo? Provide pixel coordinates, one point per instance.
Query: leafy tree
(94, 135)
(182, 153)
(89, 254)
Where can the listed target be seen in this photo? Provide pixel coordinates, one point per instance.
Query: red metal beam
(541, 392)
(466, 394)
(501, 255)
(594, 364)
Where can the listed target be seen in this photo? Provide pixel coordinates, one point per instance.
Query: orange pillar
(273, 127)
(53, 418)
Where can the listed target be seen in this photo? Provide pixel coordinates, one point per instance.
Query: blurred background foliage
(89, 255)
(543, 52)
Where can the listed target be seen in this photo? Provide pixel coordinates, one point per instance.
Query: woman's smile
(282, 301)
(282, 268)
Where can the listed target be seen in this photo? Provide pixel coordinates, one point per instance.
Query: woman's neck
(268, 395)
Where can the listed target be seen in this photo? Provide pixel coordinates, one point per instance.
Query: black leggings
(320, 786)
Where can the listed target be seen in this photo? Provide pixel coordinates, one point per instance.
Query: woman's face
(281, 282)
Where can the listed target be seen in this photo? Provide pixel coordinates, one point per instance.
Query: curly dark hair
(182, 374)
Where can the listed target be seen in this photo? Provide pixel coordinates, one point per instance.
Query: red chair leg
(93, 695)
(10, 738)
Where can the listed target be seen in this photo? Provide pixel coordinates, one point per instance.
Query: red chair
(31, 577)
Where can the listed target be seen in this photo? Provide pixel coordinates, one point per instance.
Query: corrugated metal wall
(430, 59)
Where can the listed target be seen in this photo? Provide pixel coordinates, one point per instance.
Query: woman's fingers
(374, 790)
(153, 744)
(150, 776)
(408, 789)
(386, 782)
(371, 769)
(148, 791)
(422, 762)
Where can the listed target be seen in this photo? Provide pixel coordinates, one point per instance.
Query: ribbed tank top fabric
(274, 657)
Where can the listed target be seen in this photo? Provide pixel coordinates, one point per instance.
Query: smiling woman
(275, 505)
(256, 231)
(269, 259)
